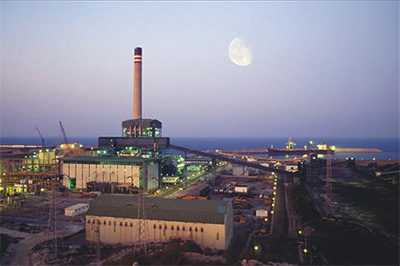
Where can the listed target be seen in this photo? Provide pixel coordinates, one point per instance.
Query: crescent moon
(239, 52)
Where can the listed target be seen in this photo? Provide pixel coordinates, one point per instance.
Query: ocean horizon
(389, 146)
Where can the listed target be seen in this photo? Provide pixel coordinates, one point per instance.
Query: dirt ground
(363, 226)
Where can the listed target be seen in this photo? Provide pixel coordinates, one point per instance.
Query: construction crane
(41, 137)
(65, 140)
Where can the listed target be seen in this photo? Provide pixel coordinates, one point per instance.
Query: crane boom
(41, 137)
(63, 133)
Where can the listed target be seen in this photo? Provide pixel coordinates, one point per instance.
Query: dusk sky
(318, 69)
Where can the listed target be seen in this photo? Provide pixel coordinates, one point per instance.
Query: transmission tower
(142, 228)
(52, 222)
(328, 178)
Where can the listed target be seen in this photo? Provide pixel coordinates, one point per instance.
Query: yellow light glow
(256, 248)
(300, 232)
(305, 250)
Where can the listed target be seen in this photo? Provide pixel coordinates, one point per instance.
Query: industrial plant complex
(139, 198)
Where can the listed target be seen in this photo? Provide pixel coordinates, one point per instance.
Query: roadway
(279, 223)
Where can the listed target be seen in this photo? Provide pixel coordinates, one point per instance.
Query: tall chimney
(137, 84)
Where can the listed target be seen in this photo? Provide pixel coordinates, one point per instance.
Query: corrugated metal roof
(197, 211)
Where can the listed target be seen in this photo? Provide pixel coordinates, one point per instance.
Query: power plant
(141, 194)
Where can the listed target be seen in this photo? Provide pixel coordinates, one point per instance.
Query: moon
(239, 52)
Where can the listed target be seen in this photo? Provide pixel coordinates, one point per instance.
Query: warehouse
(112, 219)
(123, 171)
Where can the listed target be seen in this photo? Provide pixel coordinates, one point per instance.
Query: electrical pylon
(52, 221)
(328, 178)
(142, 225)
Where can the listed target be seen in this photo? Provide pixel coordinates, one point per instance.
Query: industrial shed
(112, 219)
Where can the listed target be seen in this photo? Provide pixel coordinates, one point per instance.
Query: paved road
(22, 248)
(280, 222)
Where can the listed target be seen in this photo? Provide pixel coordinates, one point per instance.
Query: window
(120, 223)
(115, 226)
(183, 228)
(195, 229)
(177, 228)
(172, 227)
(217, 236)
(159, 227)
(104, 222)
(126, 223)
(165, 227)
(201, 229)
(109, 222)
(154, 226)
(190, 229)
(131, 224)
(88, 221)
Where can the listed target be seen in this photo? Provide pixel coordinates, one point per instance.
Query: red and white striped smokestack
(137, 84)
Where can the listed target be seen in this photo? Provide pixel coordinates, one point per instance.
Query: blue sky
(319, 68)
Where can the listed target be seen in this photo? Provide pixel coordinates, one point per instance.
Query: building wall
(121, 174)
(124, 231)
(152, 176)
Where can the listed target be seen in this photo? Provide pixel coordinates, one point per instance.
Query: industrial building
(121, 171)
(76, 209)
(112, 219)
(130, 161)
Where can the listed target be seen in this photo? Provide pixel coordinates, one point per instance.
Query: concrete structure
(137, 84)
(123, 171)
(76, 209)
(112, 220)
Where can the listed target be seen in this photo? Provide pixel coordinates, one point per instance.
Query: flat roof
(196, 211)
(94, 160)
(76, 206)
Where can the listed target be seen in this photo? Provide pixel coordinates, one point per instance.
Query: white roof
(76, 206)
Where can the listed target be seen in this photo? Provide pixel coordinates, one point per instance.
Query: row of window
(154, 226)
(178, 228)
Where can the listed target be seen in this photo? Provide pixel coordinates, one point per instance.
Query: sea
(390, 146)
